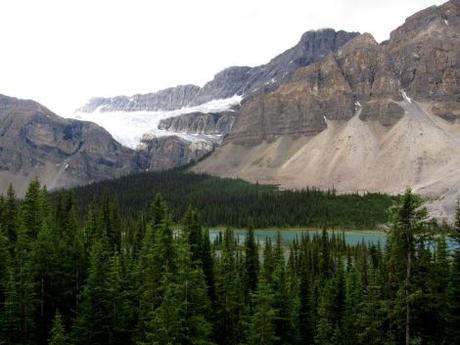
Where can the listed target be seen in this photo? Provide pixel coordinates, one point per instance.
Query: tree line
(236, 203)
(112, 279)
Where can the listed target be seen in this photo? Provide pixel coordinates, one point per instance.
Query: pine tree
(164, 327)
(409, 220)
(157, 212)
(305, 308)
(261, 328)
(32, 209)
(45, 262)
(229, 294)
(94, 321)
(208, 266)
(10, 316)
(118, 296)
(453, 317)
(193, 232)
(369, 314)
(58, 335)
(193, 299)
(324, 327)
(10, 221)
(5, 262)
(251, 262)
(353, 299)
(281, 301)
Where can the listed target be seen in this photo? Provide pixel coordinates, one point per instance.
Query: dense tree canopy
(109, 277)
(236, 203)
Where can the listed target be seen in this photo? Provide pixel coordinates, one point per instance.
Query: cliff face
(367, 117)
(167, 99)
(426, 57)
(200, 123)
(237, 80)
(160, 153)
(34, 142)
(358, 76)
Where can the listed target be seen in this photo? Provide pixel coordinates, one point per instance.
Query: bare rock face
(426, 57)
(237, 80)
(167, 99)
(369, 116)
(34, 142)
(200, 123)
(357, 77)
(161, 153)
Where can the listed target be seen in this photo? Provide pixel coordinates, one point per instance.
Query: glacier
(130, 127)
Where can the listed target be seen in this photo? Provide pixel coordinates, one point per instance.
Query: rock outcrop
(369, 117)
(200, 123)
(167, 99)
(160, 153)
(237, 80)
(34, 142)
(358, 76)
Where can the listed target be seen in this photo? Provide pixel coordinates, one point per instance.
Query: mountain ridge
(234, 80)
(370, 117)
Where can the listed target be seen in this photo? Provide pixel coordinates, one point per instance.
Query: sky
(61, 53)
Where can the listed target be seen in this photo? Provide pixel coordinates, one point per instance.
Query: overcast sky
(61, 53)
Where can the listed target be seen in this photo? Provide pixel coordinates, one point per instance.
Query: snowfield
(129, 128)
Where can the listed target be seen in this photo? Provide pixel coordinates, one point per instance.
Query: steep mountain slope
(236, 80)
(203, 116)
(368, 118)
(34, 142)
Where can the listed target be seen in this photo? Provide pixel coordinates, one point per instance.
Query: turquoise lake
(352, 237)
(288, 235)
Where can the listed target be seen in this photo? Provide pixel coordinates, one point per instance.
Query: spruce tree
(251, 262)
(207, 258)
(453, 317)
(94, 321)
(58, 334)
(262, 328)
(118, 296)
(408, 222)
(324, 327)
(10, 220)
(305, 308)
(32, 209)
(369, 315)
(229, 294)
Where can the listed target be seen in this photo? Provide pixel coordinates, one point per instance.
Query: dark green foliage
(233, 202)
(453, 315)
(118, 278)
(251, 262)
(262, 328)
(58, 334)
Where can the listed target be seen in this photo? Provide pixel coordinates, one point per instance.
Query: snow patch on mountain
(129, 128)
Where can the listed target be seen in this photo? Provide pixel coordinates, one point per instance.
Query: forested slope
(233, 202)
(113, 280)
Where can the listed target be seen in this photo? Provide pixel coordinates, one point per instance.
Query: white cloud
(63, 52)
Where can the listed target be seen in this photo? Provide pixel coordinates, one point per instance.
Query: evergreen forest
(107, 275)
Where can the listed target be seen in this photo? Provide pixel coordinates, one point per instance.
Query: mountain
(338, 110)
(202, 117)
(34, 142)
(237, 80)
(162, 130)
(369, 117)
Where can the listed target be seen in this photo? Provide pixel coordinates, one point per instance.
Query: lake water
(288, 235)
(352, 237)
